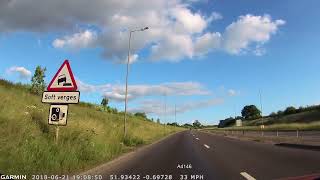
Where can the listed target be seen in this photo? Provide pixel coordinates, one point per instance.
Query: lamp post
(126, 92)
(262, 123)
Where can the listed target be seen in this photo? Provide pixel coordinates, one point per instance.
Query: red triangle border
(74, 88)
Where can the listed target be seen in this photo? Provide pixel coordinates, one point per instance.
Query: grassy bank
(273, 127)
(303, 117)
(90, 138)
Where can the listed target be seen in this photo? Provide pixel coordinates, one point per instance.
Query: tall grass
(90, 138)
(273, 127)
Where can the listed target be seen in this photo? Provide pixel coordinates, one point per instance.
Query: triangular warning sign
(63, 80)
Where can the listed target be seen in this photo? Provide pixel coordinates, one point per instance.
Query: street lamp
(126, 93)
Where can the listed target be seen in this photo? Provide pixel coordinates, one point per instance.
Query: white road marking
(206, 146)
(247, 176)
(193, 135)
(197, 138)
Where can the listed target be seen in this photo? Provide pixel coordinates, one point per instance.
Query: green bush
(290, 110)
(132, 141)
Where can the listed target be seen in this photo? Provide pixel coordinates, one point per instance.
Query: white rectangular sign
(61, 97)
(58, 115)
(238, 122)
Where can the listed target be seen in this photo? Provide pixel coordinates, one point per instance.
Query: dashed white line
(197, 138)
(206, 146)
(247, 176)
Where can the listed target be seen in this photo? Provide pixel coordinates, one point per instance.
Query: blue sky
(207, 58)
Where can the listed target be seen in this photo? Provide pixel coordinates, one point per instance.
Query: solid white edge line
(247, 176)
(206, 146)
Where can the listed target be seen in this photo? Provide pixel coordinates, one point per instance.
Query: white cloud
(169, 89)
(22, 71)
(89, 88)
(215, 16)
(192, 1)
(116, 92)
(157, 107)
(115, 96)
(79, 40)
(173, 48)
(188, 21)
(83, 87)
(176, 31)
(133, 59)
(247, 30)
(207, 43)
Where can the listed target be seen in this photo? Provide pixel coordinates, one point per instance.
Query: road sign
(63, 80)
(238, 122)
(58, 115)
(61, 97)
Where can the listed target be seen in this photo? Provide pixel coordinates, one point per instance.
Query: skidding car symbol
(62, 79)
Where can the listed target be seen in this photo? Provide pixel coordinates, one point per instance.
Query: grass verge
(285, 127)
(91, 137)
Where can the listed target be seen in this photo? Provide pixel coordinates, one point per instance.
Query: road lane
(262, 161)
(165, 157)
(215, 157)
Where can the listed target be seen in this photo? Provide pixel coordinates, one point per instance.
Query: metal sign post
(62, 91)
(57, 134)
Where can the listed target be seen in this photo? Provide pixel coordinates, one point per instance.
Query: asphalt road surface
(199, 155)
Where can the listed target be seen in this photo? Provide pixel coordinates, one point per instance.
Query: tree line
(251, 112)
(38, 86)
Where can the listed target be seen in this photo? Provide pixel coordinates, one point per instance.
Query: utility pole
(175, 113)
(262, 123)
(261, 103)
(165, 112)
(165, 106)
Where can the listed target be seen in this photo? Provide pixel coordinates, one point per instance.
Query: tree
(290, 110)
(186, 125)
(105, 102)
(300, 109)
(173, 124)
(273, 114)
(279, 113)
(141, 114)
(196, 124)
(158, 121)
(251, 112)
(227, 122)
(37, 82)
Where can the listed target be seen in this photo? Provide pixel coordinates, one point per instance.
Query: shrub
(290, 110)
(132, 141)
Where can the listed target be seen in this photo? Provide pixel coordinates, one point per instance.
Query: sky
(201, 60)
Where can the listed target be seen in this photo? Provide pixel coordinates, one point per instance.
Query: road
(213, 157)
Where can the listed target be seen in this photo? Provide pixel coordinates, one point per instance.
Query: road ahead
(214, 157)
